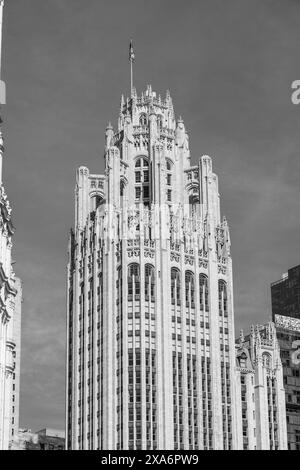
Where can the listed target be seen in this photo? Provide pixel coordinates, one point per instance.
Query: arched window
(193, 204)
(175, 286)
(189, 289)
(267, 360)
(142, 181)
(169, 180)
(143, 119)
(203, 288)
(134, 282)
(122, 187)
(96, 201)
(223, 304)
(149, 283)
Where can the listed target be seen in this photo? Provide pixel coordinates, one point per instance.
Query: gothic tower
(151, 344)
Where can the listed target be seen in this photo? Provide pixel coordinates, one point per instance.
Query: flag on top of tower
(131, 52)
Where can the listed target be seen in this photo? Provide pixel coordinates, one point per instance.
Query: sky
(229, 66)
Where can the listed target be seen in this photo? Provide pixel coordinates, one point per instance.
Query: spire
(242, 337)
(109, 134)
(258, 337)
(134, 92)
(122, 104)
(180, 135)
(131, 60)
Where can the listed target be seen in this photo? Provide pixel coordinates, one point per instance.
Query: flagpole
(131, 77)
(131, 59)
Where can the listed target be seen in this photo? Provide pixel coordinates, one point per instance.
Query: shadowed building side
(285, 295)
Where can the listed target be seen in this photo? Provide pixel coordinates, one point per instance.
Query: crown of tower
(148, 102)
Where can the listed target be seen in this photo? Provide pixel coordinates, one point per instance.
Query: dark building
(286, 294)
(286, 316)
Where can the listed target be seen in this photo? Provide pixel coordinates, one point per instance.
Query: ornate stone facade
(260, 391)
(151, 343)
(10, 293)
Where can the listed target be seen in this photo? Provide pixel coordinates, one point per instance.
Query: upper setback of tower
(148, 161)
(147, 127)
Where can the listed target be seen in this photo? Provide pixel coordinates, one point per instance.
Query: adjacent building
(260, 390)
(10, 307)
(151, 360)
(285, 295)
(46, 439)
(23, 438)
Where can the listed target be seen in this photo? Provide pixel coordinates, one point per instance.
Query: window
(122, 187)
(138, 177)
(169, 180)
(145, 192)
(133, 281)
(223, 310)
(203, 287)
(175, 286)
(95, 202)
(143, 119)
(138, 192)
(189, 289)
(267, 361)
(243, 360)
(159, 122)
(149, 283)
(142, 186)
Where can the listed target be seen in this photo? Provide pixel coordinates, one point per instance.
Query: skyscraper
(261, 397)
(151, 346)
(285, 295)
(10, 292)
